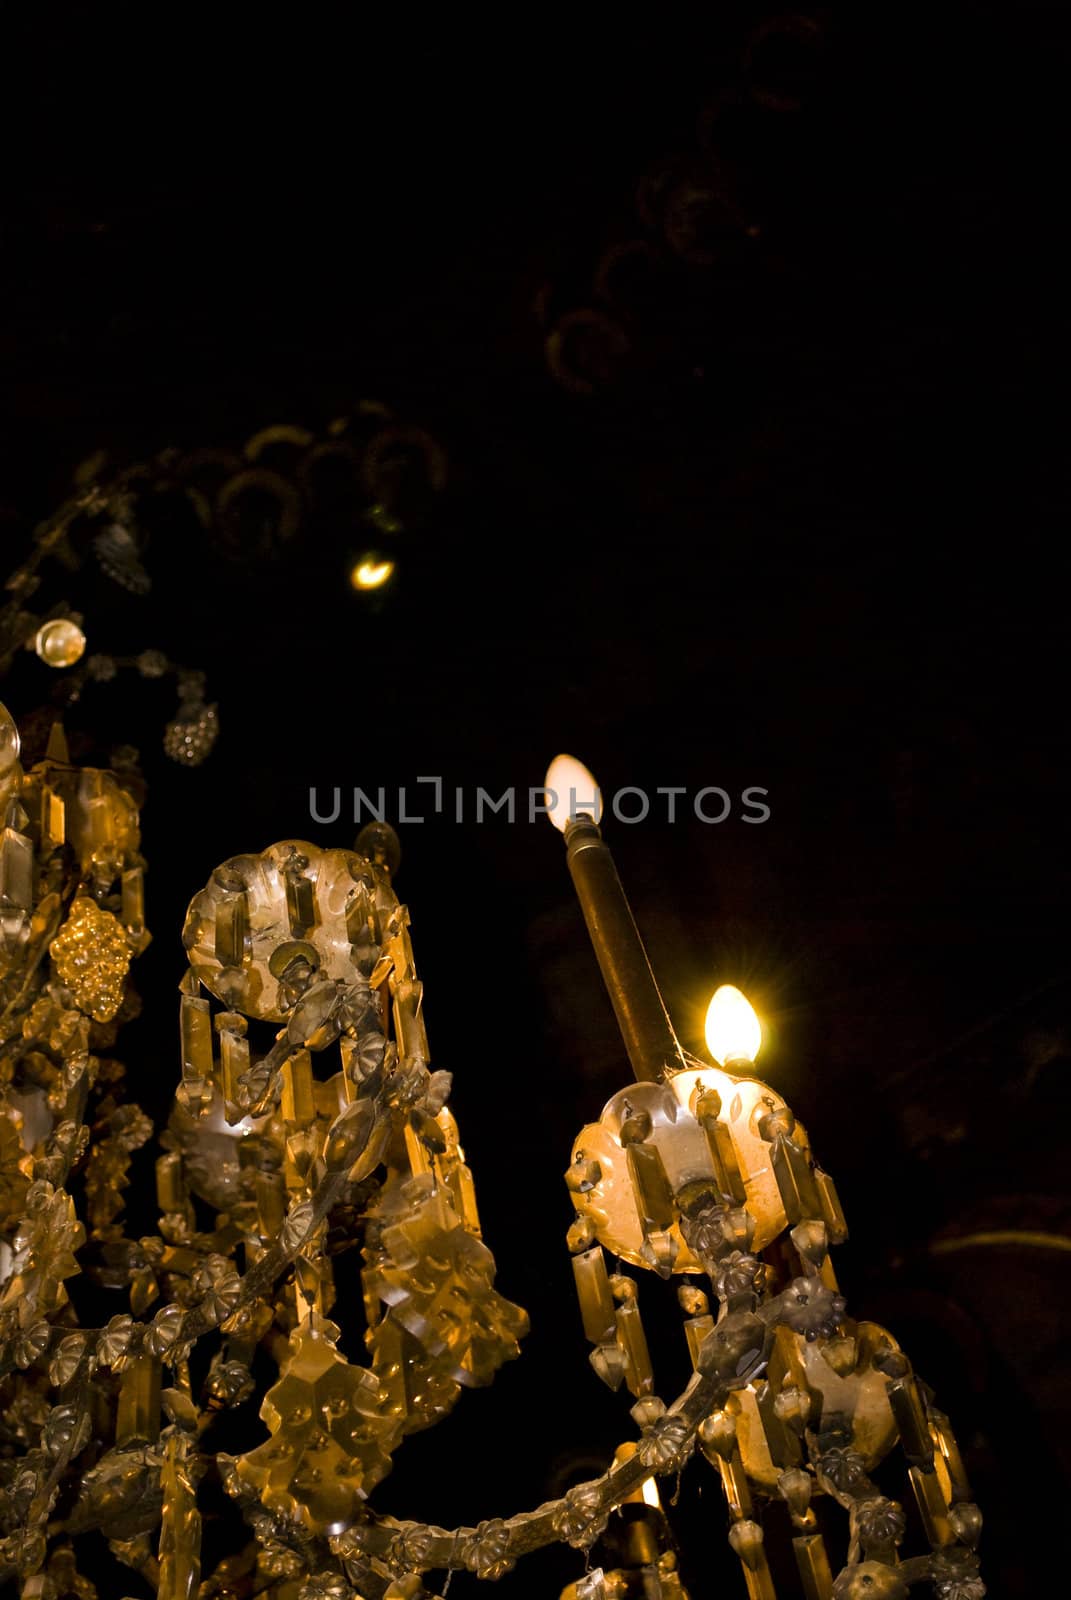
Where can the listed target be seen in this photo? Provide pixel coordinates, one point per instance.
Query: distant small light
(371, 572)
(60, 643)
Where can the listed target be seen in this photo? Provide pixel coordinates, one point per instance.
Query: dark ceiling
(785, 505)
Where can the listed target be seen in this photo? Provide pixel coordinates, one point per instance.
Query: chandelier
(308, 1123)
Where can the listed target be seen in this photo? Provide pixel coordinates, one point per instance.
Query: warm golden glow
(371, 573)
(571, 791)
(647, 1492)
(733, 1031)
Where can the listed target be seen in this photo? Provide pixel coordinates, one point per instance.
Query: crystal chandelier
(307, 1121)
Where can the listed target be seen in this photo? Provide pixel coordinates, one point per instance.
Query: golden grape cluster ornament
(91, 955)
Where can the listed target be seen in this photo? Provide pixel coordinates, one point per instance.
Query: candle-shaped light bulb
(733, 1031)
(571, 791)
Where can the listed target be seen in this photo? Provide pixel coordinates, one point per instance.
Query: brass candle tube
(641, 1014)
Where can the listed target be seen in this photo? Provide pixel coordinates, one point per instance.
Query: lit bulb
(648, 1489)
(371, 572)
(571, 791)
(60, 643)
(733, 1030)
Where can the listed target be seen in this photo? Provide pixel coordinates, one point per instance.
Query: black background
(808, 534)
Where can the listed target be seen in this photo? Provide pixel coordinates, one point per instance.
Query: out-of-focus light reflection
(371, 572)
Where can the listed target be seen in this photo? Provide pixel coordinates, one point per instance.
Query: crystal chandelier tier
(308, 1121)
